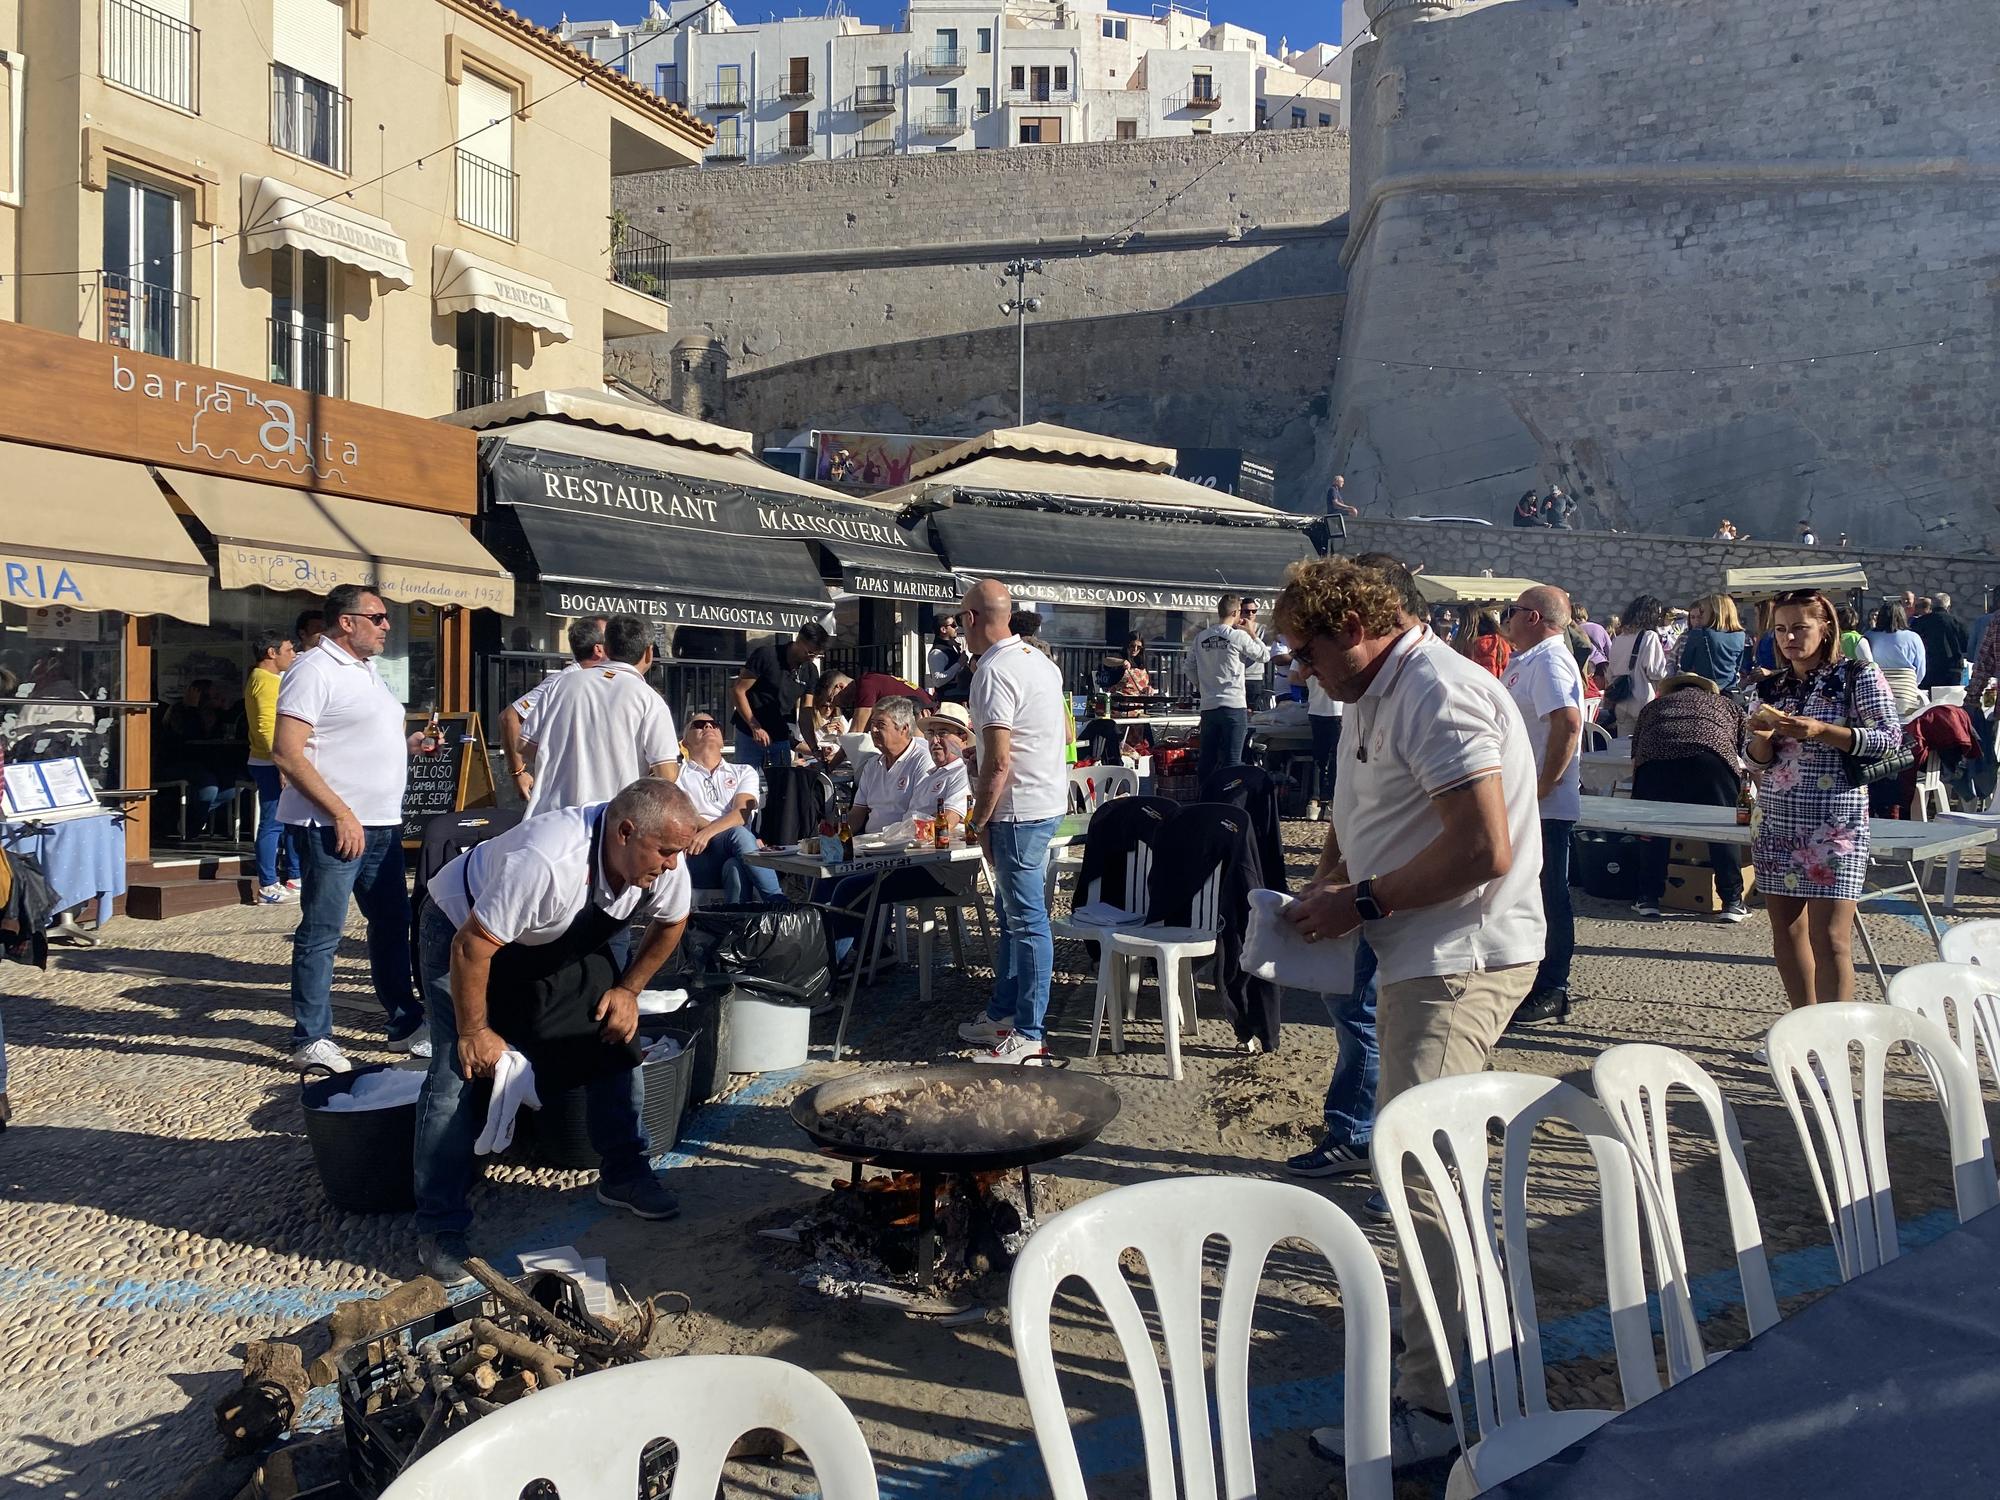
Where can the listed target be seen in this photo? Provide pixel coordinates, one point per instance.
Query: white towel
(513, 1087)
(1274, 950)
(1104, 914)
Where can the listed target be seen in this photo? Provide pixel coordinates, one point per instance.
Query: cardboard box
(1695, 852)
(1692, 888)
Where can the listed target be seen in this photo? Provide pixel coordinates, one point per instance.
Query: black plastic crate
(379, 1442)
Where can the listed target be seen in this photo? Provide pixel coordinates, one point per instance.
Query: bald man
(1021, 720)
(1543, 679)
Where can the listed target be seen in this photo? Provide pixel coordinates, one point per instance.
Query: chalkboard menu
(454, 777)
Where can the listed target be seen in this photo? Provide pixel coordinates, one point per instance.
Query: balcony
(727, 149)
(884, 147)
(146, 317)
(640, 260)
(946, 121)
(1041, 95)
(1202, 96)
(309, 118)
(790, 147)
(151, 53)
(871, 98)
(486, 195)
(796, 86)
(308, 359)
(946, 60)
(469, 390)
(727, 96)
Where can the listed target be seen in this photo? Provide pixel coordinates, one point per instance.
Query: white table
(1604, 769)
(1156, 721)
(1891, 841)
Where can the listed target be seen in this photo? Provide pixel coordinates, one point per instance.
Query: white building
(961, 75)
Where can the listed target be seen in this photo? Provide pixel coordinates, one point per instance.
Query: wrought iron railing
(309, 118)
(641, 261)
(486, 194)
(469, 390)
(145, 316)
(151, 53)
(308, 359)
(947, 60)
(945, 121)
(726, 96)
(875, 96)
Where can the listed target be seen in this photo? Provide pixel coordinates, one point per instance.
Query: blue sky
(1303, 22)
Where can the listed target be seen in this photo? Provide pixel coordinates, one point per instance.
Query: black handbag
(1883, 767)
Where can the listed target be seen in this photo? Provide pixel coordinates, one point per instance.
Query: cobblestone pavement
(162, 1206)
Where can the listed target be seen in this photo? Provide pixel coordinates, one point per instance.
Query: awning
(912, 571)
(1760, 583)
(1121, 562)
(464, 282)
(1046, 440)
(1440, 588)
(269, 536)
(93, 533)
(278, 216)
(1098, 484)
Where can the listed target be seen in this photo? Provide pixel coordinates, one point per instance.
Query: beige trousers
(1438, 1027)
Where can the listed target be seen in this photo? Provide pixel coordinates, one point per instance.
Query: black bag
(1622, 686)
(1609, 866)
(780, 950)
(1882, 768)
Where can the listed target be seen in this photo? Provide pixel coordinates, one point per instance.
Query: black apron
(540, 996)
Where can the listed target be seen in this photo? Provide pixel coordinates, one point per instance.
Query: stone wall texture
(1647, 190)
(1607, 570)
(1250, 375)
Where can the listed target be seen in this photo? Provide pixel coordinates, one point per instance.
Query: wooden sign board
(448, 780)
(66, 392)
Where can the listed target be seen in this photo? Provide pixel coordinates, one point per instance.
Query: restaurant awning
(94, 533)
(464, 282)
(269, 536)
(1442, 588)
(1763, 583)
(277, 215)
(910, 570)
(1122, 561)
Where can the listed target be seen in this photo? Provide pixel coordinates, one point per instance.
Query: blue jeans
(451, 1111)
(720, 866)
(1326, 755)
(271, 834)
(1561, 942)
(1350, 1097)
(375, 881)
(1223, 732)
(1027, 951)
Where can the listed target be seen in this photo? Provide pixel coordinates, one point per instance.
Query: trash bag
(777, 950)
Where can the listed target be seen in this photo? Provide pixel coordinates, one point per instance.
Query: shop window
(55, 665)
(484, 371)
(143, 288)
(307, 351)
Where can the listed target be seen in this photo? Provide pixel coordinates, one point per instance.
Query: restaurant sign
(573, 602)
(1114, 595)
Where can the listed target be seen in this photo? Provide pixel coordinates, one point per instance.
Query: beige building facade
(406, 203)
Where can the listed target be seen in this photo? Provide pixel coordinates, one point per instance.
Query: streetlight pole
(1018, 308)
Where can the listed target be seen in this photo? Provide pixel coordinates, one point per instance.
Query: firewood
(515, 1386)
(357, 1322)
(547, 1363)
(274, 1385)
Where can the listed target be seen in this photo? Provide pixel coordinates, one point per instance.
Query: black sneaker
(1330, 1158)
(1377, 1208)
(443, 1257)
(1735, 911)
(1545, 1004)
(643, 1197)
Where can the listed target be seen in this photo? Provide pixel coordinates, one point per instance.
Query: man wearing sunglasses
(723, 793)
(343, 750)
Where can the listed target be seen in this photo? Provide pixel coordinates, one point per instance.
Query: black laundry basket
(558, 1134)
(364, 1156)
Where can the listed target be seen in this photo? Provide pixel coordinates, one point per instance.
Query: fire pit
(958, 1120)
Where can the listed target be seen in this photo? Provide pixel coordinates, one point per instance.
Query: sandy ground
(162, 1204)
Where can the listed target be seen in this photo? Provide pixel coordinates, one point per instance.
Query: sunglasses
(703, 724)
(1516, 609)
(378, 619)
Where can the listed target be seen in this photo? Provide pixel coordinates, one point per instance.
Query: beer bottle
(1746, 803)
(434, 733)
(846, 839)
(941, 832)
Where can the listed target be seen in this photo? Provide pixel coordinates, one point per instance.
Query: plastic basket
(1181, 788)
(558, 1134)
(364, 1157)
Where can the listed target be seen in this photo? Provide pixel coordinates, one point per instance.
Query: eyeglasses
(378, 619)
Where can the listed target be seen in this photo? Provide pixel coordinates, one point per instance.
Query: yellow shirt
(260, 709)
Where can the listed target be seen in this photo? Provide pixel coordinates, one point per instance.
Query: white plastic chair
(1443, 1125)
(1972, 943)
(1595, 736)
(1097, 785)
(1962, 998)
(585, 1435)
(1172, 951)
(1632, 1083)
(1170, 1223)
(1809, 1049)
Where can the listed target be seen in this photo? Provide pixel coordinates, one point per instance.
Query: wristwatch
(1365, 904)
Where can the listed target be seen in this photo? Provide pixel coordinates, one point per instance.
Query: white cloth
(1222, 657)
(530, 882)
(1542, 680)
(1321, 704)
(391, 1088)
(713, 792)
(1646, 673)
(888, 788)
(513, 1091)
(948, 786)
(358, 743)
(1105, 914)
(595, 732)
(525, 704)
(1432, 720)
(1273, 949)
(1018, 689)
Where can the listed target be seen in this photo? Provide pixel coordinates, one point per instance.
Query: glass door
(144, 306)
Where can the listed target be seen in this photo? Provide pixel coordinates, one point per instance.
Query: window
(947, 39)
(146, 306)
(486, 177)
(982, 101)
(1062, 80)
(484, 372)
(728, 140)
(1128, 130)
(728, 87)
(798, 125)
(1038, 85)
(798, 77)
(1017, 79)
(152, 50)
(1114, 30)
(1203, 83)
(667, 82)
(1041, 130)
(947, 100)
(306, 348)
(986, 39)
(308, 118)
(1298, 119)
(1325, 118)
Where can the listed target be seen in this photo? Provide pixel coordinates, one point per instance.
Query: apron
(540, 996)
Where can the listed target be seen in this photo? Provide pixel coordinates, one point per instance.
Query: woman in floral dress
(1811, 844)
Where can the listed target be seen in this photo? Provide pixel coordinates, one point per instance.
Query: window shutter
(306, 37)
(481, 102)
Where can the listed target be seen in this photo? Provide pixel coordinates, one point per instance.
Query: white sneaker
(272, 895)
(1012, 1050)
(1312, 811)
(322, 1054)
(416, 1042)
(1762, 1055)
(983, 1031)
(1251, 1046)
(294, 887)
(1415, 1436)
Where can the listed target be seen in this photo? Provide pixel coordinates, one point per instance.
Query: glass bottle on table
(941, 832)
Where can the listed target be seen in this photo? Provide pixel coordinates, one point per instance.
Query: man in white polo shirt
(586, 649)
(343, 749)
(723, 792)
(593, 731)
(886, 792)
(1022, 719)
(517, 953)
(1434, 852)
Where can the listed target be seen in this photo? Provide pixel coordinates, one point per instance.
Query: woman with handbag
(1823, 729)
(1638, 663)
